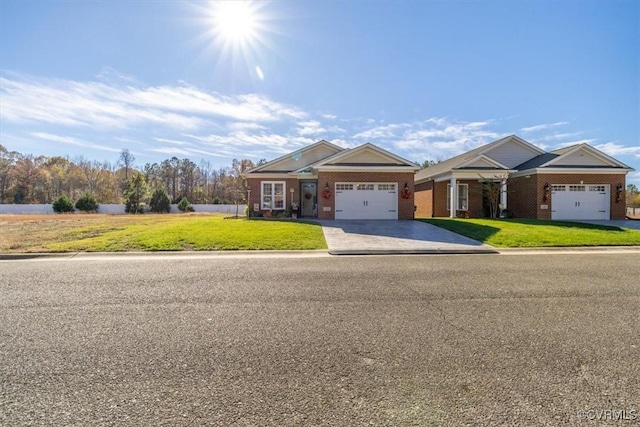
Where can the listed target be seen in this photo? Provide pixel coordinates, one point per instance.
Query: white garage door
(366, 200)
(579, 201)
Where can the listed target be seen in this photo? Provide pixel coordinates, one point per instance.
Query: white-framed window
(577, 188)
(558, 188)
(463, 197)
(599, 188)
(387, 187)
(365, 187)
(344, 187)
(273, 195)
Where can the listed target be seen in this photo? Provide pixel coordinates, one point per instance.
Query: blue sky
(423, 79)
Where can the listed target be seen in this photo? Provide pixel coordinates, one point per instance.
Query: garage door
(579, 201)
(366, 200)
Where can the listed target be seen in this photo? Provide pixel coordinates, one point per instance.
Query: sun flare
(235, 21)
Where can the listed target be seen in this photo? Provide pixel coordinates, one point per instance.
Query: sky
(213, 81)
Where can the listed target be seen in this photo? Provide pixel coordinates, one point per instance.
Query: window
(576, 188)
(344, 187)
(600, 188)
(386, 187)
(273, 195)
(463, 197)
(558, 188)
(365, 187)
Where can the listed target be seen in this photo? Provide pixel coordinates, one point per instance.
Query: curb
(413, 252)
(570, 249)
(200, 254)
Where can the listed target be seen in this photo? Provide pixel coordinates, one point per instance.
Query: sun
(235, 22)
(237, 34)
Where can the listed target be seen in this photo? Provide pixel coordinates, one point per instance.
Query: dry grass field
(152, 232)
(33, 232)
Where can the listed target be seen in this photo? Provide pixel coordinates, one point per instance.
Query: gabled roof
(574, 156)
(298, 160)
(481, 161)
(365, 155)
(537, 161)
(469, 157)
(324, 156)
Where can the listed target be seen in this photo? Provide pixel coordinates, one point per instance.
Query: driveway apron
(363, 237)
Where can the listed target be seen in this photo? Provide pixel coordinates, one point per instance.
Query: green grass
(515, 233)
(188, 232)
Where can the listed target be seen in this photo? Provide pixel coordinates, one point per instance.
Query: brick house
(325, 181)
(576, 182)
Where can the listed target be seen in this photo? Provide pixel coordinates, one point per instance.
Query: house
(325, 181)
(524, 181)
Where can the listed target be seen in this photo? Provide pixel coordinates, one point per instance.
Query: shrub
(135, 194)
(185, 206)
(63, 204)
(160, 201)
(87, 203)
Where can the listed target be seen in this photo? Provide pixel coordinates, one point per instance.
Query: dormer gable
(300, 159)
(481, 162)
(512, 151)
(367, 155)
(583, 155)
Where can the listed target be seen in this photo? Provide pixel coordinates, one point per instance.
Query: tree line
(26, 179)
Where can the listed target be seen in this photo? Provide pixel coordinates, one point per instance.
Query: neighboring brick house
(576, 182)
(325, 181)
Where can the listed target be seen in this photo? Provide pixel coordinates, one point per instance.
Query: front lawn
(170, 232)
(514, 233)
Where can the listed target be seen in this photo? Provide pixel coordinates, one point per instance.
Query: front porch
(470, 198)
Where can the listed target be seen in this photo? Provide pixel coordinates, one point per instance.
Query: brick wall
(424, 199)
(440, 208)
(254, 185)
(405, 206)
(526, 195)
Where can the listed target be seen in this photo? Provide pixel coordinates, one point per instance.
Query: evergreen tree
(160, 201)
(136, 193)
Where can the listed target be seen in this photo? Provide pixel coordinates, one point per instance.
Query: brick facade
(431, 199)
(405, 206)
(424, 200)
(526, 195)
(254, 186)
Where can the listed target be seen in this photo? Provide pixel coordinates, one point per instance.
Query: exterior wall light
(547, 191)
(619, 189)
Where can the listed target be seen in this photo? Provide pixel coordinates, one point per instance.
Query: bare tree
(126, 160)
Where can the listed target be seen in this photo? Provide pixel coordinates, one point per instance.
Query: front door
(308, 199)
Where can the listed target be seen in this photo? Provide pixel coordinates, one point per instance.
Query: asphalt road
(549, 339)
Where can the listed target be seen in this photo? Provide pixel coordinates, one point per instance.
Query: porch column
(453, 196)
(503, 194)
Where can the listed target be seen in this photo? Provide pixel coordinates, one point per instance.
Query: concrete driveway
(362, 237)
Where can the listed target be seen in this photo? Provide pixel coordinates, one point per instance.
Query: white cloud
(613, 149)
(435, 138)
(384, 131)
(310, 127)
(73, 141)
(102, 105)
(570, 143)
(542, 127)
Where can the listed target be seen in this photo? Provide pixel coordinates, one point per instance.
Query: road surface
(536, 339)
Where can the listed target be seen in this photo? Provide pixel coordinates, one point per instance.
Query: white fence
(119, 209)
(633, 211)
